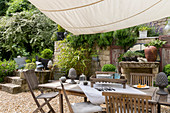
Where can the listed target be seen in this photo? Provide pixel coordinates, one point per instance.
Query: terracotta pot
(151, 53)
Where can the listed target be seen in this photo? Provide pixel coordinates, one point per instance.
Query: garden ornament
(161, 82)
(50, 64)
(72, 74)
(63, 79)
(39, 66)
(82, 78)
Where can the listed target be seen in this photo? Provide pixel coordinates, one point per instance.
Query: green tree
(29, 30)
(126, 38)
(74, 58)
(19, 6)
(3, 7)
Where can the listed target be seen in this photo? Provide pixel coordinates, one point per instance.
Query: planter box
(142, 34)
(93, 79)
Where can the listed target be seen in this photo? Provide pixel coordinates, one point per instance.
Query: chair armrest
(153, 102)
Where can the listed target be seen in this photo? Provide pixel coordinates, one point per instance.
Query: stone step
(10, 88)
(15, 80)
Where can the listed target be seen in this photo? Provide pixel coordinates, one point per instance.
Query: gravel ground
(24, 103)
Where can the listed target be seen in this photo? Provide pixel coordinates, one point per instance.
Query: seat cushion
(47, 95)
(85, 107)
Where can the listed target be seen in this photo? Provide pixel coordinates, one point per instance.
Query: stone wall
(161, 22)
(110, 54)
(104, 56)
(57, 73)
(56, 50)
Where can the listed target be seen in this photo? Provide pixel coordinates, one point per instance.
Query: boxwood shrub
(167, 69)
(109, 67)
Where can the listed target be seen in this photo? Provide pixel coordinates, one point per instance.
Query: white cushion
(85, 107)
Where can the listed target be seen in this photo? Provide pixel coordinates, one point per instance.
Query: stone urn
(151, 53)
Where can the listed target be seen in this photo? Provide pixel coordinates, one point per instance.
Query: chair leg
(49, 106)
(40, 107)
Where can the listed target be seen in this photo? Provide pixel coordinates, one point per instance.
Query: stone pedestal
(138, 67)
(43, 76)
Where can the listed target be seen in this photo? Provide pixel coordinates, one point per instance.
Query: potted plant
(30, 64)
(107, 71)
(109, 68)
(46, 55)
(152, 48)
(60, 33)
(143, 31)
(130, 56)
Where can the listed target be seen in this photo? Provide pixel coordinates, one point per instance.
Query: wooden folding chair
(128, 103)
(33, 84)
(142, 78)
(83, 107)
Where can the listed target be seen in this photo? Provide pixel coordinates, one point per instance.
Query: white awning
(97, 16)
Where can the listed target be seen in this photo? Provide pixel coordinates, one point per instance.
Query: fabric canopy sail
(97, 16)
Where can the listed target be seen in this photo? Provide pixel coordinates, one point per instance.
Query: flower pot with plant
(152, 48)
(60, 33)
(107, 71)
(143, 31)
(130, 56)
(46, 55)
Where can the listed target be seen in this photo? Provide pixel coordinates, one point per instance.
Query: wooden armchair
(128, 103)
(32, 81)
(142, 78)
(83, 107)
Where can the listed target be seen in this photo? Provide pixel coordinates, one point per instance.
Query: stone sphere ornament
(72, 75)
(63, 79)
(161, 82)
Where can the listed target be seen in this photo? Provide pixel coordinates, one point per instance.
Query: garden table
(74, 89)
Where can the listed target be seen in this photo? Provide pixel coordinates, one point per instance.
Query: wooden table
(74, 89)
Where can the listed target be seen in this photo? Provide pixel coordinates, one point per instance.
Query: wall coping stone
(139, 64)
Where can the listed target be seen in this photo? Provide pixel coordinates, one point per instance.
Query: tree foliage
(89, 41)
(3, 7)
(26, 30)
(69, 57)
(126, 38)
(19, 6)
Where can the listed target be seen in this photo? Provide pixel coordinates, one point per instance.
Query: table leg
(61, 102)
(159, 108)
(85, 99)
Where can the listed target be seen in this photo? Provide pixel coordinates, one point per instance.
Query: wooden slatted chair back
(142, 78)
(31, 79)
(67, 100)
(126, 103)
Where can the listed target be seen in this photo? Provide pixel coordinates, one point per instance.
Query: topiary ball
(109, 67)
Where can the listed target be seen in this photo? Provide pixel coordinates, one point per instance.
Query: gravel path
(24, 103)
